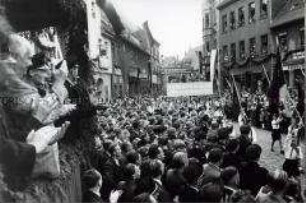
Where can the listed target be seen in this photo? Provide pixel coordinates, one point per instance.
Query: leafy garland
(258, 60)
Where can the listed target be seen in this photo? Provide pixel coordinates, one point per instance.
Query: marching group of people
(186, 150)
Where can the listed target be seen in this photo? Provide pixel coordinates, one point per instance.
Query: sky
(176, 24)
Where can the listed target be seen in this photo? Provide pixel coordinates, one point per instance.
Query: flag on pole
(278, 90)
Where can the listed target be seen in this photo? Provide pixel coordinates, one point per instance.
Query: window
(224, 23)
(251, 12)
(242, 49)
(264, 44)
(241, 19)
(302, 37)
(252, 47)
(283, 41)
(225, 53)
(232, 20)
(263, 8)
(233, 51)
(206, 20)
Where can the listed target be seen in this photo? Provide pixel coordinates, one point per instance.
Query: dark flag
(301, 96)
(277, 85)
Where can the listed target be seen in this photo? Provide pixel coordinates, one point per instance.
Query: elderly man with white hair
(25, 95)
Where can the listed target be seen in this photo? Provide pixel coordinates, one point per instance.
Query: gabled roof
(292, 11)
(151, 38)
(107, 26)
(141, 35)
(112, 16)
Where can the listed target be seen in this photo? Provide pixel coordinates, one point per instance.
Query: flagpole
(266, 74)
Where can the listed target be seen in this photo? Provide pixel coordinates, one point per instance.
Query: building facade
(155, 66)
(210, 18)
(210, 26)
(244, 41)
(288, 31)
(130, 50)
(100, 37)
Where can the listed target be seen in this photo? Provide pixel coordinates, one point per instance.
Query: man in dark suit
(230, 157)
(93, 182)
(191, 174)
(211, 170)
(253, 176)
(244, 141)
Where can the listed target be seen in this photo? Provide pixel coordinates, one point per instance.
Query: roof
(152, 39)
(112, 16)
(290, 12)
(107, 26)
(225, 3)
(141, 35)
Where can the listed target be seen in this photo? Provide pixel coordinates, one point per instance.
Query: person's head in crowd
(245, 130)
(163, 141)
(143, 151)
(211, 192)
(171, 132)
(155, 152)
(232, 146)
(277, 181)
(253, 153)
(242, 196)
(179, 146)
(133, 157)
(132, 171)
(115, 151)
(180, 160)
(156, 168)
(92, 180)
(97, 142)
(215, 156)
(126, 147)
(223, 134)
(230, 177)
(145, 198)
(193, 171)
(177, 124)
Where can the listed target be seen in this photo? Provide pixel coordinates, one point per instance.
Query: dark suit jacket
(16, 158)
(231, 159)
(253, 177)
(190, 194)
(90, 197)
(112, 174)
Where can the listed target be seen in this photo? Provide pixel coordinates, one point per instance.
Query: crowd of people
(185, 150)
(147, 149)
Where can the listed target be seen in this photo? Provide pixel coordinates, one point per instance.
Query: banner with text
(189, 89)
